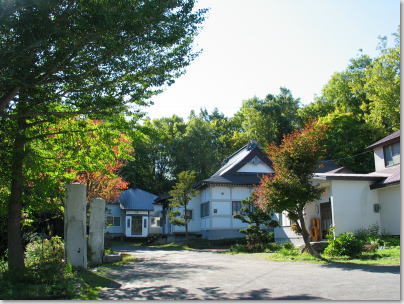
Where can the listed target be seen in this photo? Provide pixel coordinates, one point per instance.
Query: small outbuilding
(134, 215)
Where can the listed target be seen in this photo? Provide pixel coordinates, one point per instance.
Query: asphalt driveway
(205, 275)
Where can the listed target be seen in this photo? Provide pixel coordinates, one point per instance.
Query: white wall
(390, 209)
(194, 205)
(115, 210)
(352, 206)
(256, 168)
(379, 158)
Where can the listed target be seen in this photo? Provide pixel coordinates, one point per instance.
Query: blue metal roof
(137, 199)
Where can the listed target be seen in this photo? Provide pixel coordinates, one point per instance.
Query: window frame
(390, 155)
(235, 211)
(205, 209)
(188, 214)
(112, 220)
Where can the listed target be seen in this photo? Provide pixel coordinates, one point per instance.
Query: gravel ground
(206, 275)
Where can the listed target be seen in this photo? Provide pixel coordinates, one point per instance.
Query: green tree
(61, 59)
(182, 192)
(291, 187)
(258, 220)
(382, 88)
(268, 120)
(342, 128)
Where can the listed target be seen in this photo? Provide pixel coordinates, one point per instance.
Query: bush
(238, 248)
(288, 245)
(273, 247)
(346, 244)
(289, 251)
(257, 238)
(391, 241)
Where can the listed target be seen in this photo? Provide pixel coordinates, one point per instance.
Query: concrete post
(96, 232)
(75, 225)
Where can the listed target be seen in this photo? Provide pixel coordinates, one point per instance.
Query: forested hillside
(359, 105)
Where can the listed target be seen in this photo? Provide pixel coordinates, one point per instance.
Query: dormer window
(391, 154)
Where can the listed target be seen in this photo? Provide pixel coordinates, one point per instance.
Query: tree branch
(57, 133)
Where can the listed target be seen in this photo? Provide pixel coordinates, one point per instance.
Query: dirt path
(201, 275)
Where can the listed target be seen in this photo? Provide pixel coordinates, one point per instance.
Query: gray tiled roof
(330, 166)
(228, 174)
(385, 140)
(393, 176)
(137, 199)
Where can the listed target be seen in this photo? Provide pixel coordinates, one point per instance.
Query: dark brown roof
(393, 137)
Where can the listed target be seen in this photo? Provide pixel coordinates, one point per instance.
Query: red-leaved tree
(291, 187)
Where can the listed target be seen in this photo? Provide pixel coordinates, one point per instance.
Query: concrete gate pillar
(75, 225)
(96, 232)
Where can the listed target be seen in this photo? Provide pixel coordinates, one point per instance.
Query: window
(188, 215)
(205, 209)
(392, 154)
(145, 223)
(236, 206)
(113, 221)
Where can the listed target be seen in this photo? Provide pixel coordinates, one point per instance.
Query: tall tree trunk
(306, 237)
(15, 247)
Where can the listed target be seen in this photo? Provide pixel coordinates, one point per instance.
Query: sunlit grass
(386, 256)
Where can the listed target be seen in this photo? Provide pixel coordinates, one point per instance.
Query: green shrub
(288, 245)
(346, 244)
(391, 241)
(238, 248)
(289, 251)
(273, 247)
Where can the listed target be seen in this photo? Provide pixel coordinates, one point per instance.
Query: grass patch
(171, 246)
(386, 256)
(91, 283)
(119, 243)
(94, 279)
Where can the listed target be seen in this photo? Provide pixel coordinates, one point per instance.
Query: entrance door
(137, 225)
(326, 218)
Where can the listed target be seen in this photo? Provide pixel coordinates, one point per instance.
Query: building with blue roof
(135, 214)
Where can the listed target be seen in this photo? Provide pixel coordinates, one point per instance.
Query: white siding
(256, 168)
(220, 222)
(114, 210)
(379, 158)
(390, 209)
(352, 206)
(222, 208)
(240, 193)
(220, 193)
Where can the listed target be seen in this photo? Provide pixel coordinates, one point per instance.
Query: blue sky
(253, 47)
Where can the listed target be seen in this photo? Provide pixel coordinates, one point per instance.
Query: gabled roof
(137, 199)
(330, 166)
(393, 137)
(227, 174)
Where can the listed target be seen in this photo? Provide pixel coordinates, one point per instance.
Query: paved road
(204, 275)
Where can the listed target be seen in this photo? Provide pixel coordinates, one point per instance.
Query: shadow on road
(154, 270)
(170, 292)
(368, 268)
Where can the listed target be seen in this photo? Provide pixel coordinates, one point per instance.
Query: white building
(352, 202)
(135, 214)
(220, 196)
